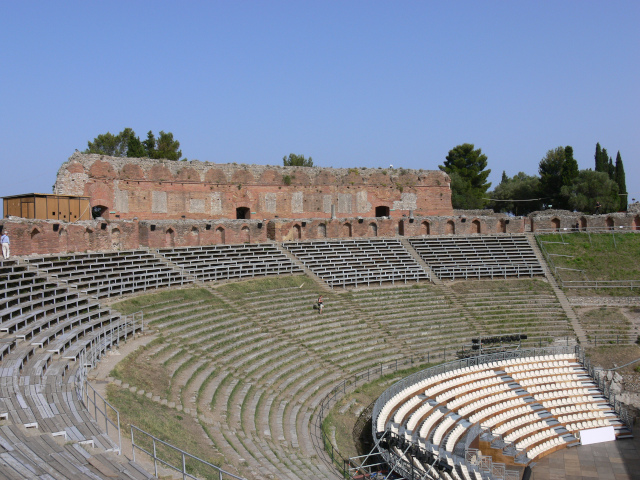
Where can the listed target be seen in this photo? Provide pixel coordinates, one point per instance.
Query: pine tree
(622, 183)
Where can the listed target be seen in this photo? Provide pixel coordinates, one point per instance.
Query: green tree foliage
(599, 167)
(108, 144)
(466, 167)
(569, 170)
(518, 195)
(167, 147)
(550, 170)
(621, 182)
(127, 144)
(297, 161)
(588, 188)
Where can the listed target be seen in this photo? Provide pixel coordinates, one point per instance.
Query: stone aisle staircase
(564, 302)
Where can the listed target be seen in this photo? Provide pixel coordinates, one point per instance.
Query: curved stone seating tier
(45, 429)
(514, 306)
(229, 262)
(111, 273)
(363, 262)
(478, 257)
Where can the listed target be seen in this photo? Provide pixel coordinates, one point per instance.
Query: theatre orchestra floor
(609, 461)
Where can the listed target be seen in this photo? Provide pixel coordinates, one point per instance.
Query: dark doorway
(243, 213)
(99, 211)
(382, 211)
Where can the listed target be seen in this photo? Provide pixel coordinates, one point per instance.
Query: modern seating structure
(485, 256)
(534, 405)
(342, 263)
(45, 430)
(109, 274)
(229, 262)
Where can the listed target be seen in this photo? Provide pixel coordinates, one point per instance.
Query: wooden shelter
(44, 206)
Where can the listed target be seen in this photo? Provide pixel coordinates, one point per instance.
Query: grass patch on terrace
(340, 425)
(170, 426)
(157, 300)
(533, 286)
(243, 290)
(600, 256)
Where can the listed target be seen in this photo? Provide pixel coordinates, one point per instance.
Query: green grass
(601, 256)
(168, 425)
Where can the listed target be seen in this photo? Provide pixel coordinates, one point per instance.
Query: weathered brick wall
(564, 219)
(189, 233)
(160, 189)
(48, 237)
(282, 230)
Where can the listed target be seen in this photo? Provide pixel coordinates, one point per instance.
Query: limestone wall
(160, 189)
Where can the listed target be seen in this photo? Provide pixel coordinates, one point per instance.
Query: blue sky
(350, 83)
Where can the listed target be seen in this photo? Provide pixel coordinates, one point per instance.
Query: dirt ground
(615, 356)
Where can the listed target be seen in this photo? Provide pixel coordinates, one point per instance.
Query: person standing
(4, 239)
(320, 304)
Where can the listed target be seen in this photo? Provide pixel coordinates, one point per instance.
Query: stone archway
(636, 223)
(382, 211)
(346, 230)
(450, 228)
(475, 226)
(373, 230)
(115, 239)
(322, 230)
(502, 227)
(610, 224)
(426, 228)
(100, 211)
(583, 223)
(220, 235)
(401, 228)
(169, 238)
(297, 232)
(555, 224)
(195, 235)
(245, 235)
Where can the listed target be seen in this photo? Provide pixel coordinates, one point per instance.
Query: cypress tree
(622, 183)
(598, 158)
(569, 169)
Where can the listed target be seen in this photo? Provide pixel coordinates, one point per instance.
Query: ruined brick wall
(283, 230)
(41, 237)
(161, 189)
(189, 233)
(564, 219)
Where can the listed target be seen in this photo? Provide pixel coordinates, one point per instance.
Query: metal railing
(326, 451)
(187, 460)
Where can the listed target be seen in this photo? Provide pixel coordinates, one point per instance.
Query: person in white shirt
(4, 239)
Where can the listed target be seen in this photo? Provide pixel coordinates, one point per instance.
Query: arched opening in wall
(87, 237)
(475, 226)
(382, 211)
(346, 230)
(322, 230)
(609, 223)
(636, 223)
(555, 224)
(195, 233)
(220, 234)
(64, 246)
(450, 228)
(297, 232)
(115, 239)
(34, 233)
(169, 238)
(373, 230)
(426, 228)
(243, 213)
(100, 211)
(583, 223)
(401, 227)
(502, 227)
(245, 236)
